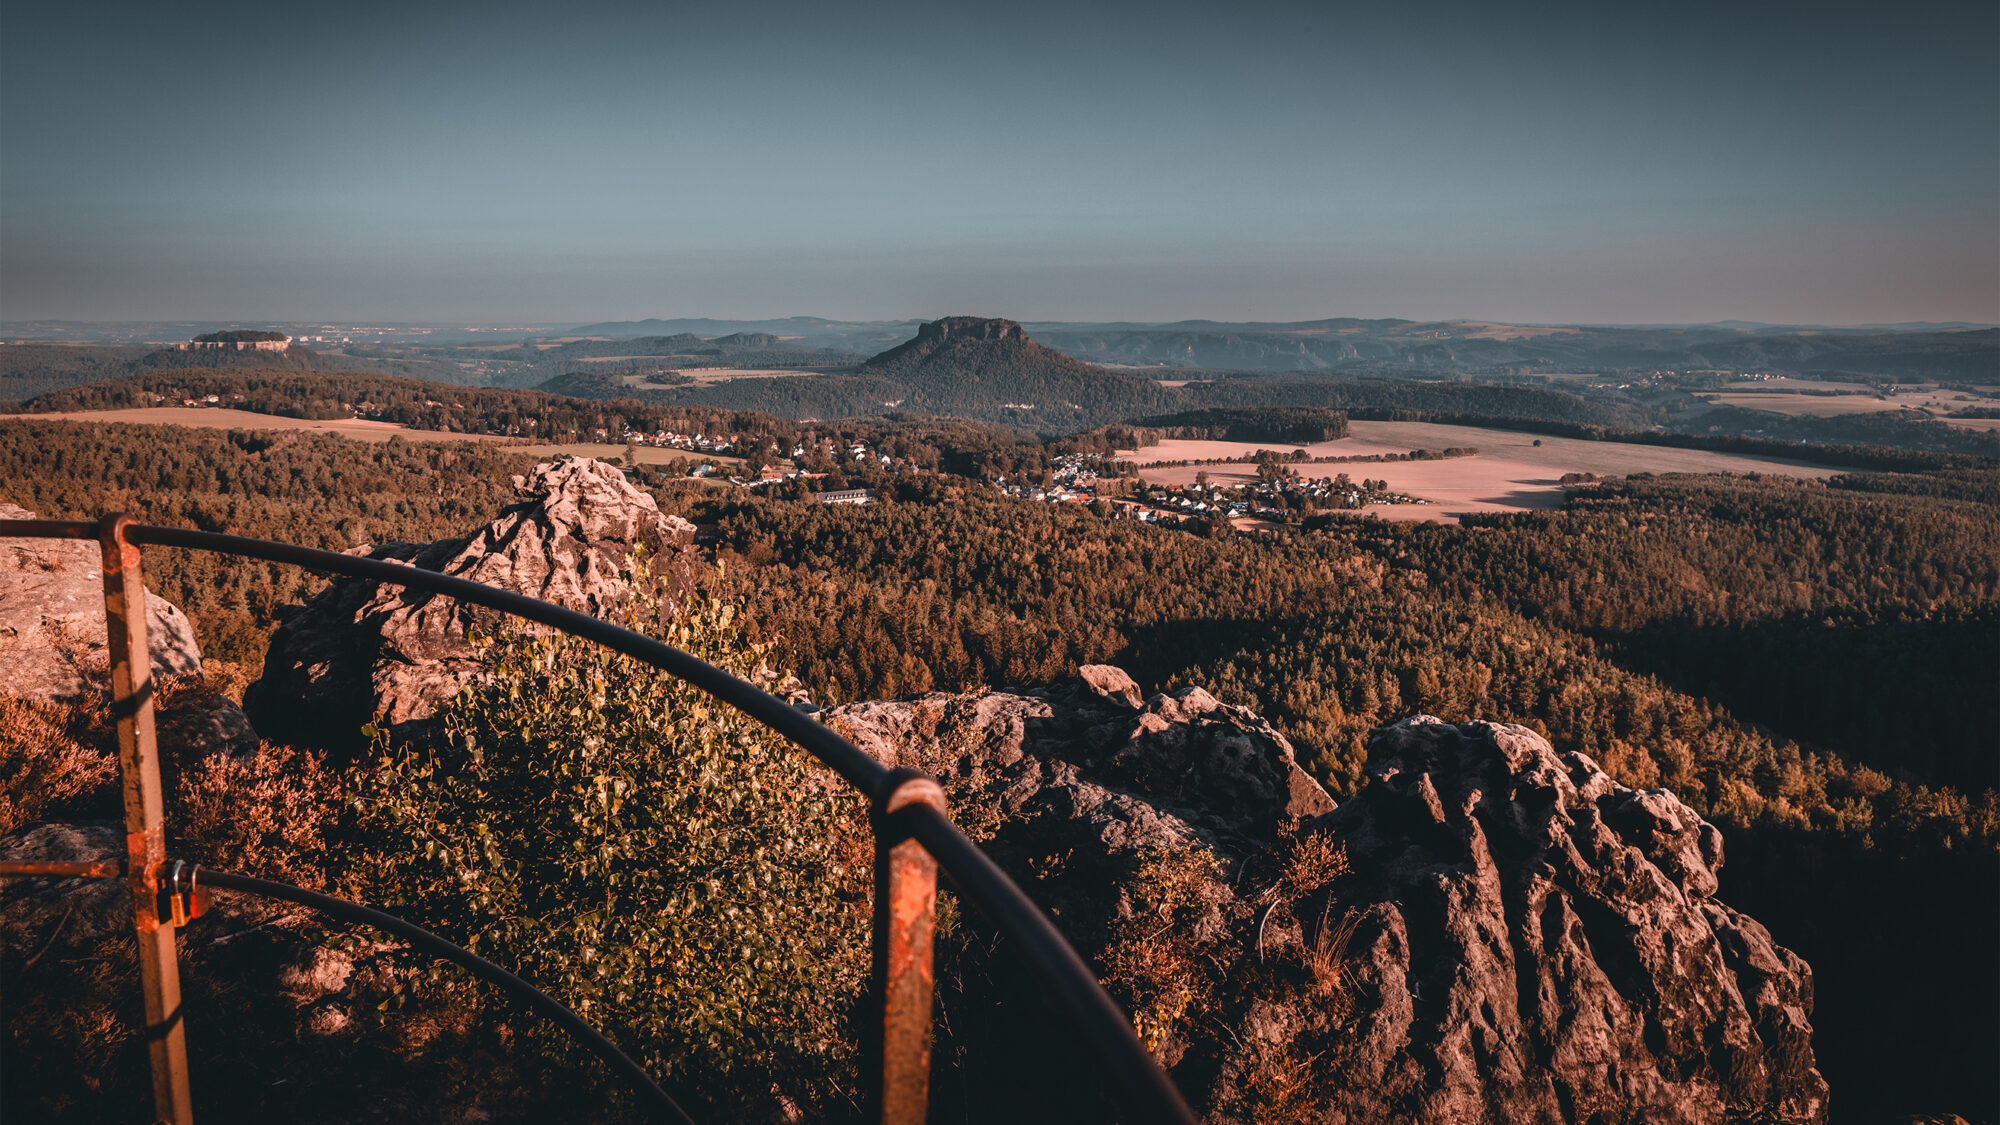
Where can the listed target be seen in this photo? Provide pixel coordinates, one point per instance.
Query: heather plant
(262, 813)
(662, 864)
(52, 756)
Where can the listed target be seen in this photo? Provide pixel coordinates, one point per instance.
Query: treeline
(27, 370)
(1883, 457)
(409, 402)
(1410, 400)
(1902, 429)
(1054, 398)
(1296, 425)
(241, 336)
(1295, 458)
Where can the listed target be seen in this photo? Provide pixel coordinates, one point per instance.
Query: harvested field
(361, 430)
(707, 375)
(1510, 473)
(223, 419)
(1829, 406)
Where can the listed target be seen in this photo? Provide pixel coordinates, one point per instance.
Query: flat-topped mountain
(969, 339)
(977, 366)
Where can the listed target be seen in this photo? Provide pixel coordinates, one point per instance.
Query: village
(1088, 480)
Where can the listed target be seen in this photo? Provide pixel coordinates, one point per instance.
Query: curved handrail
(548, 1006)
(1129, 1069)
(516, 986)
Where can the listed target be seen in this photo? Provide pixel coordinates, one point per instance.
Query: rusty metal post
(145, 831)
(905, 922)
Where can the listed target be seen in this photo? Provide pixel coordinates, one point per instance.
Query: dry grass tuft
(1326, 963)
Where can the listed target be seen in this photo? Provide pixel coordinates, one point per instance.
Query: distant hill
(1474, 347)
(292, 358)
(784, 327)
(986, 368)
(989, 370)
(679, 343)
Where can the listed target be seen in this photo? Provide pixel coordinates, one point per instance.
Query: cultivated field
(706, 375)
(1829, 406)
(222, 419)
(1510, 473)
(361, 430)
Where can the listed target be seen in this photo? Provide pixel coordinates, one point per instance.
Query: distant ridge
(711, 327)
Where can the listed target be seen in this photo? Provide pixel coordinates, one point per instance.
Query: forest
(1904, 429)
(409, 402)
(1810, 664)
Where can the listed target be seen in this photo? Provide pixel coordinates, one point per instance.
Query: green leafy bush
(680, 876)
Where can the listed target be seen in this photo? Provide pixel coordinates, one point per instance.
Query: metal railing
(914, 839)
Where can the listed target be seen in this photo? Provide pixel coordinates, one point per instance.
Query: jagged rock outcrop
(1517, 937)
(52, 617)
(363, 649)
(1201, 766)
(1543, 944)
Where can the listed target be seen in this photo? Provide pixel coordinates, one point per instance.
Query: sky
(499, 163)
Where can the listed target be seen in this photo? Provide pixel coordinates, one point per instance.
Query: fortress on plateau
(241, 341)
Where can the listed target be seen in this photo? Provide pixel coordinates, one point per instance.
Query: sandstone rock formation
(363, 649)
(1542, 944)
(1517, 938)
(1201, 766)
(52, 617)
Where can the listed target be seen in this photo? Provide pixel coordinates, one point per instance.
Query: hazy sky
(1600, 162)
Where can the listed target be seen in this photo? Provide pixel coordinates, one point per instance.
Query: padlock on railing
(181, 898)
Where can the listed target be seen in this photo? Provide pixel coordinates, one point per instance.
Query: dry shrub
(1315, 861)
(228, 678)
(1280, 1087)
(264, 814)
(53, 757)
(1154, 965)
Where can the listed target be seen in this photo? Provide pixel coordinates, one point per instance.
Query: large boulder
(1512, 935)
(52, 618)
(364, 650)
